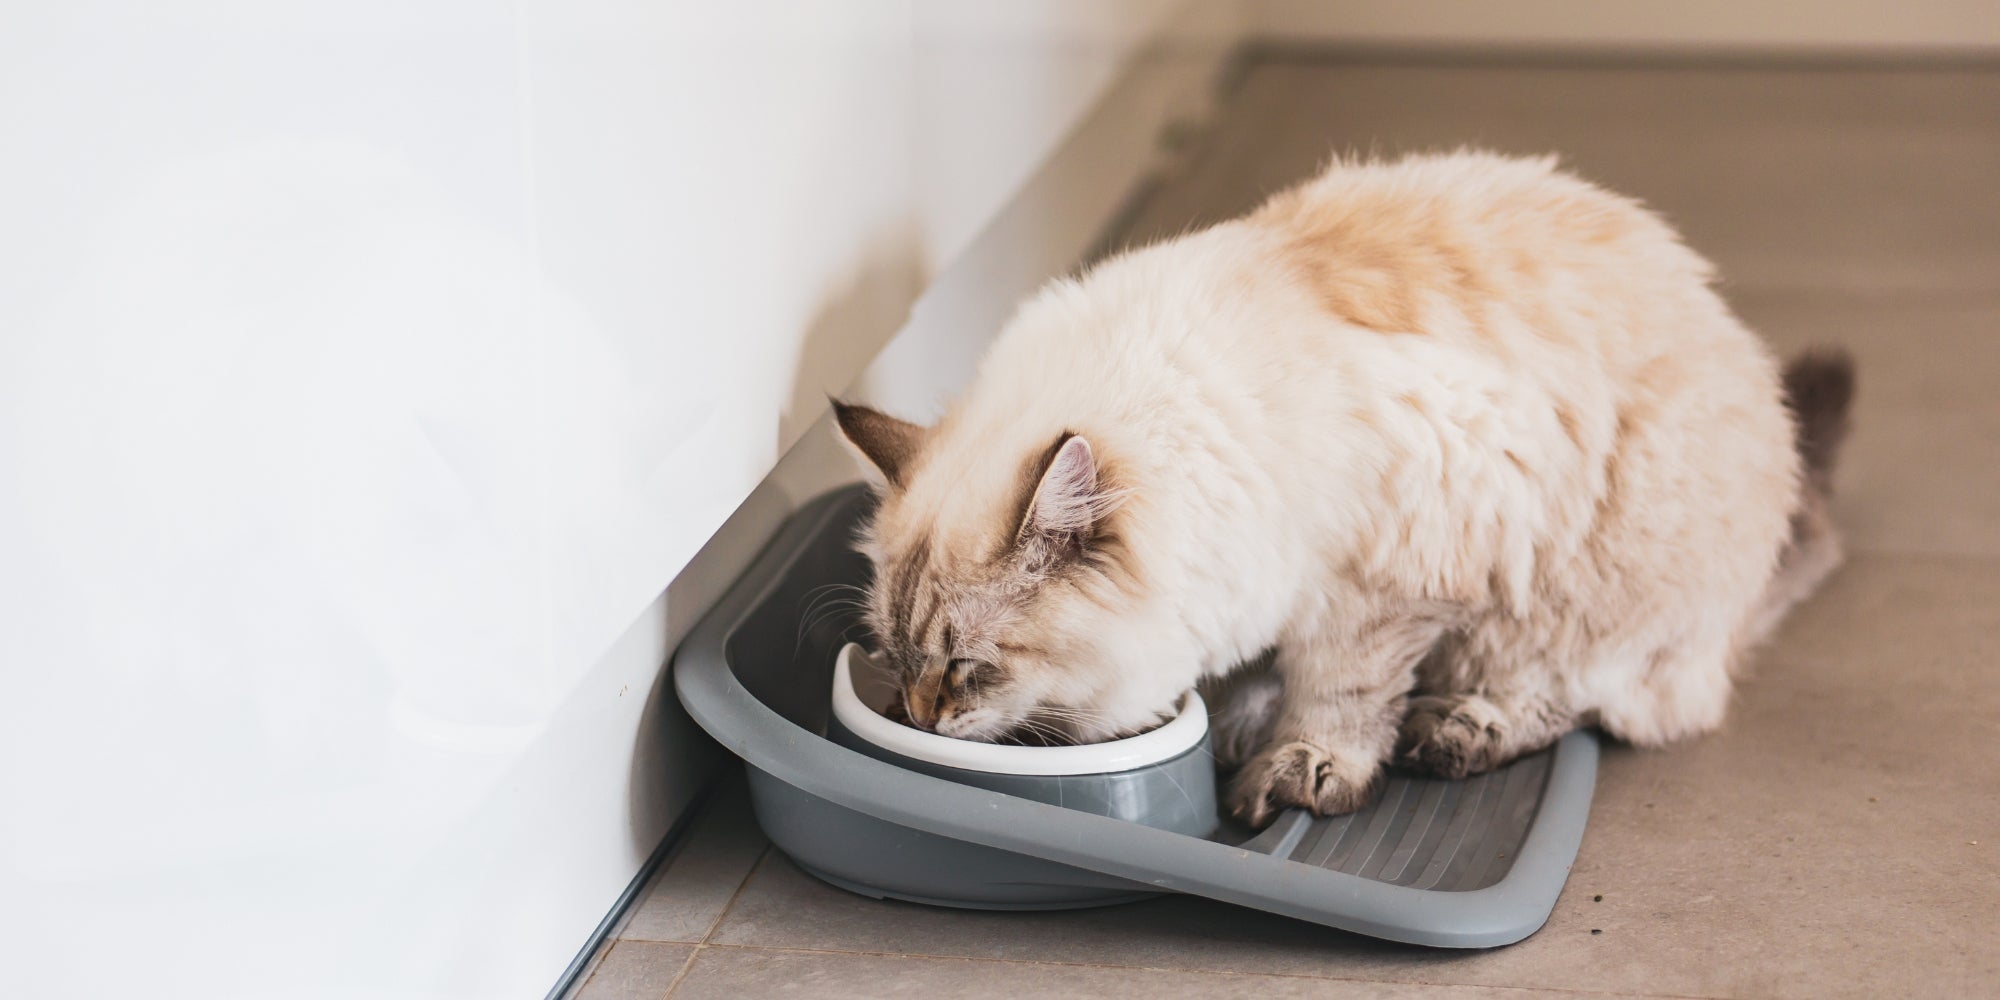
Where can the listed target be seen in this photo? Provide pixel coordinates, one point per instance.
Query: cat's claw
(1304, 775)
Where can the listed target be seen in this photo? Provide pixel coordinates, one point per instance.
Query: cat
(1467, 445)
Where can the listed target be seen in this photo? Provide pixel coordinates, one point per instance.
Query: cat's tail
(1819, 392)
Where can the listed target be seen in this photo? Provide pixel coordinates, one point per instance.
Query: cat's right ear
(889, 445)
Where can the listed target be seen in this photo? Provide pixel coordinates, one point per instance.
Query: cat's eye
(966, 672)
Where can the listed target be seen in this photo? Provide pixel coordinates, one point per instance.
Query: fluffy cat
(1468, 444)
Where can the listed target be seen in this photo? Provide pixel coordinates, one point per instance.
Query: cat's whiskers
(1047, 734)
(826, 602)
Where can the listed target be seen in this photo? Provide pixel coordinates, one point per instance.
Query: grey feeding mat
(1456, 864)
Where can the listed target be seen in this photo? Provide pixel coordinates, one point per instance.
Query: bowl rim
(1180, 734)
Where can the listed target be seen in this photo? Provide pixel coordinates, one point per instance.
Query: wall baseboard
(578, 971)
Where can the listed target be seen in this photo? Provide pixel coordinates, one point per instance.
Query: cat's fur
(1468, 442)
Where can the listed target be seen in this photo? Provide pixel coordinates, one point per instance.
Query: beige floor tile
(636, 970)
(1749, 864)
(1922, 473)
(735, 972)
(1823, 844)
(1803, 179)
(1928, 354)
(688, 895)
(1922, 483)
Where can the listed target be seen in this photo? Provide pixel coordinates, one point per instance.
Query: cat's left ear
(1068, 500)
(887, 444)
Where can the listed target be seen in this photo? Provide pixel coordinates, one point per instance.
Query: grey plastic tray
(1456, 864)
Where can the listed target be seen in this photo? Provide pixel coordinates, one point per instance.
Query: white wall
(1932, 26)
(370, 374)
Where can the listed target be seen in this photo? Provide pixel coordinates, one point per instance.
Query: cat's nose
(924, 697)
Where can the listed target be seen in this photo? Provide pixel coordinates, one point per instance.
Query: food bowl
(1164, 777)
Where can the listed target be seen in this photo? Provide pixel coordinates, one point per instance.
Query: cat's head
(1004, 590)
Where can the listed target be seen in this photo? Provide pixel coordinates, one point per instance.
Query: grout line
(716, 925)
(1112, 967)
(683, 974)
(607, 932)
(695, 939)
(740, 886)
(589, 970)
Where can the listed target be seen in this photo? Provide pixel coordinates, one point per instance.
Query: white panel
(999, 86)
(269, 643)
(370, 375)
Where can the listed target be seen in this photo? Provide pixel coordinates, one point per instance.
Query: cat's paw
(1303, 775)
(1451, 737)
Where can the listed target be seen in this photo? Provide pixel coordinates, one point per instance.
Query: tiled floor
(1840, 838)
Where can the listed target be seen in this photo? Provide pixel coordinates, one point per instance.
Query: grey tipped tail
(1819, 390)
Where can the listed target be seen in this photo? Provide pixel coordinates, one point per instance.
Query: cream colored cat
(1468, 442)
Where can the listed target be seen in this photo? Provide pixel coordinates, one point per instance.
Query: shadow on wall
(672, 758)
(856, 317)
(862, 311)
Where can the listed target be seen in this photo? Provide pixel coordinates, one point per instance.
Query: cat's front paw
(1451, 737)
(1303, 775)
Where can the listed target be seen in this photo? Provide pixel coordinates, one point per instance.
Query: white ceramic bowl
(859, 685)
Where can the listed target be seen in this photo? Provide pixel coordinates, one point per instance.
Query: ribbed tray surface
(1449, 836)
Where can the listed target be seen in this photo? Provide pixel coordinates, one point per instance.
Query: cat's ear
(887, 444)
(1068, 500)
